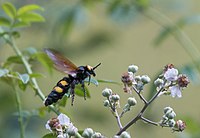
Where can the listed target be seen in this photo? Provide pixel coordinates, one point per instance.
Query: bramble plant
(169, 83)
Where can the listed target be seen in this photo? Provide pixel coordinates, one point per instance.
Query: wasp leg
(83, 87)
(72, 92)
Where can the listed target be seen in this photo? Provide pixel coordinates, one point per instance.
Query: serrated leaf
(28, 8)
(92, 80)
(9, 9)
(45, 61)
(79, 91)
(31, 17)
(4, 21)
(24, 78)
(50, 135)
(3, 72)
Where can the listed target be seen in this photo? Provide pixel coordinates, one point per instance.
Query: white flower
(64, 120)
(175, 91)
(171, 74)
(47, 126)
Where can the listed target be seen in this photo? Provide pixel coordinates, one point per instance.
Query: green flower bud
(125, 135)
(106, 92)
(167, 109)
(137, 78)
(72, 131)
(171, 115)
(132, 101)
(115, 97)
(133, 68)
(96, 135)
(171, 123)
(106, 103)
(158, 82)
(145, 79)
(87, 133)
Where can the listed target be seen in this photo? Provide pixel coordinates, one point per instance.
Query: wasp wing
(61, 63)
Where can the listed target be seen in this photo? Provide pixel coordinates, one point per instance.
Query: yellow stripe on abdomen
(58, 89)
(63, 83)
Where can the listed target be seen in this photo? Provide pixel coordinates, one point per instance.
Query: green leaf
(109, 81)
(3, 72)
(24, 78)
(92, 80)
(63, 101)
(36, 75)
(15, 34)
(22, 86)
(79, 91)
(14, 59)
(4, 21)
(9, 9)
(163, 35)
(31, 17)
(44, 60)
(20, 24)
(28, 8)
(50, 135)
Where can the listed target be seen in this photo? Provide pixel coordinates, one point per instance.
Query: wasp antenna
(96, 66)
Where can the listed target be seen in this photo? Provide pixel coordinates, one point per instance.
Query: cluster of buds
(129, 80)
(123, 135)
(61, 126)
(112, 100)
(171, 80)
(89, 133)
(168, 120)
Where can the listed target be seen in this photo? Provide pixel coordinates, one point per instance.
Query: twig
(149, 121)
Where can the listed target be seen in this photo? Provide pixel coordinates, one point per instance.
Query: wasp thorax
(89, 67)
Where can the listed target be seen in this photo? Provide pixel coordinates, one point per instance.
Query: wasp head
(91, 69)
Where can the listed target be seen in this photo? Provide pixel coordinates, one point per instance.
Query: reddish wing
(61, 63)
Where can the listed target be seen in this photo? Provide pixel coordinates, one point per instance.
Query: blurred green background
(117, 35)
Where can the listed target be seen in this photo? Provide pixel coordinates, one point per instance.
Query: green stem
(19, 108)
(29, 70)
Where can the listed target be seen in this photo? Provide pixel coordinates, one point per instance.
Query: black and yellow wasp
(76, 75)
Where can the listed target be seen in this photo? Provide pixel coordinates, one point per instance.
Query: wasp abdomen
(58, 91)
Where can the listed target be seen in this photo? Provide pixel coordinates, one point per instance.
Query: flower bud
(166, 109)
(96, 135)
(106, 103)
(132, 101)
(158, 82)
(180, 125)
(137, 78)
(133, 68)
(126, 108)
(125, 135)
(87, 133)
(106, 92)
(145, 79)
(72, 131)
(171, 115)
(115, 97)
(171, 123)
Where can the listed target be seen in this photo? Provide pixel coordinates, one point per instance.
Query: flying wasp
(76, 75)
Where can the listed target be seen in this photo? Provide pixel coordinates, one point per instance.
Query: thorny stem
(139, 116)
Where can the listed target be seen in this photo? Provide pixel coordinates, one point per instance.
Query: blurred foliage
(64, 17)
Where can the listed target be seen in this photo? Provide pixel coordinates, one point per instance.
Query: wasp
(76, 75)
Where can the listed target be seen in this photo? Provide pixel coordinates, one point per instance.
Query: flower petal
(175, 91)
(63, 119)
(171, 74)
